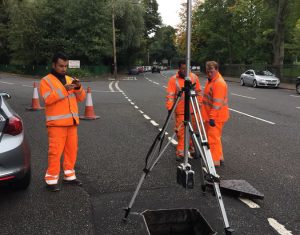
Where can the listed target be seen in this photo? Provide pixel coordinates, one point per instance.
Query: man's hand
(169, 111)
(212, 122)
(70, 87)
(77, 83)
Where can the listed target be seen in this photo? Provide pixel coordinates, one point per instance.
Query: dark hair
(181, 62)
(59, 55)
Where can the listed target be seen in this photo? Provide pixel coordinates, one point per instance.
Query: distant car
(140, 69)
(15, 167)
(259, 79)
(155, 69)
(298, 85)
(133, 71)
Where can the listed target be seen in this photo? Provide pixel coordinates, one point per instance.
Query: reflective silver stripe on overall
(59, 92)
(59, 117)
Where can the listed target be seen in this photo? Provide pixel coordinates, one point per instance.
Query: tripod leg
(127, 210)
(150, 162)
(207, 158)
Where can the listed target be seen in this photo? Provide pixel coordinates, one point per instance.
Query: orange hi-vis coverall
(215, 106)
(61, 119)
(175, 84)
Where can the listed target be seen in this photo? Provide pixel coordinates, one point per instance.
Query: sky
(168, 10)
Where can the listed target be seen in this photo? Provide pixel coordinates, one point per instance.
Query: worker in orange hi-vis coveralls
(214, 110)
(175, 84)
(61, 94)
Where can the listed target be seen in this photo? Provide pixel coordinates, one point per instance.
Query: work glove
(212, 122)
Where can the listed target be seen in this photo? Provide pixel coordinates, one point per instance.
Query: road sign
(74, 64)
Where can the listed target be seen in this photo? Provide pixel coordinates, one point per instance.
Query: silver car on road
(15, 155)
(259, 78)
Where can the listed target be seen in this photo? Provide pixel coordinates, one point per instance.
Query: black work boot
(52, 187)
(75, 182)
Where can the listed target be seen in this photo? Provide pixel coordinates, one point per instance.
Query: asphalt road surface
(260, 142)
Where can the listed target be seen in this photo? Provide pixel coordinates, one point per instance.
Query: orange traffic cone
(89, 113)
(35, 104)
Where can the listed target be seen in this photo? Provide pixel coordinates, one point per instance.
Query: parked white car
(259, 78)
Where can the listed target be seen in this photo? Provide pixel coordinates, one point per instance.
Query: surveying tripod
(185, 175)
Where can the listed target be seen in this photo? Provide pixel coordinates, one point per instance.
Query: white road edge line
(9, 83)
(263, 120)
(248, 97)
(279, 227)
(249, 203)
(154, 123)
(110, 86)
(147, 117)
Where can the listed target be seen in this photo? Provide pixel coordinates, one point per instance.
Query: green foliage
(77, 27)
(152, 18)
(4, 19)
(130, 29)
(163, 46)
(241, 31)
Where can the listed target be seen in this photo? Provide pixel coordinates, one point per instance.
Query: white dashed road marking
(154, 123)
(248, 97)
(9, 83)
(297, 96)
(105, 91)
(147, 117)
(28, 86)
(248, 115)
(174, 142)
(279, 227)
(249, 203)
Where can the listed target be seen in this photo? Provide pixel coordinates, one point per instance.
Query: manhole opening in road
(176, 221)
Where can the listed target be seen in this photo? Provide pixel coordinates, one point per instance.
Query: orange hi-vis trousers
(214, 135)
(179, 128)
(62, 140)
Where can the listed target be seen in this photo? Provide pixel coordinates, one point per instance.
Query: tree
(40, 28)
(163, 46)
(152, 18)
(130, 32)
(4, 23)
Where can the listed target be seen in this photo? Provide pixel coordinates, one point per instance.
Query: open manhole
(176, 221)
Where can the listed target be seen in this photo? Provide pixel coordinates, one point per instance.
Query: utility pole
(114, 39)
